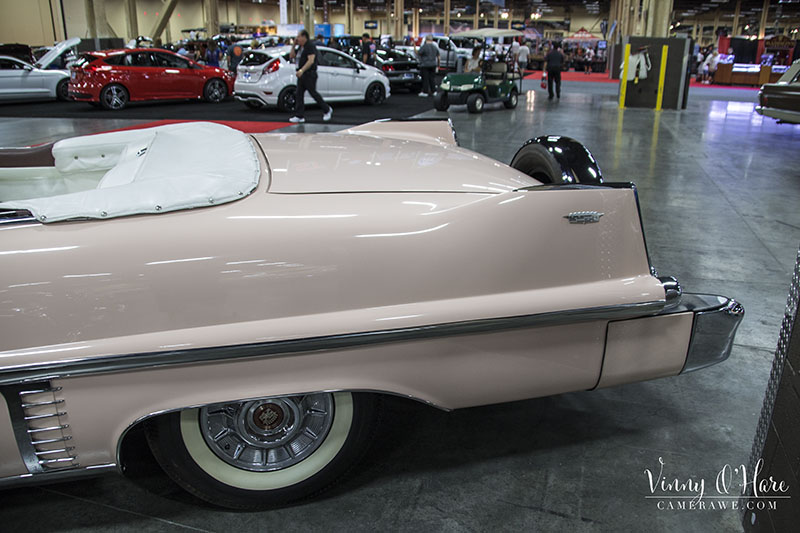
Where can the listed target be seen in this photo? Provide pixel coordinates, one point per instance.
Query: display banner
(370, 24)
(284, 14)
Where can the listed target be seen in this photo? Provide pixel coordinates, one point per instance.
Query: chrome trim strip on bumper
(139, 361)
(55, 476)
(716, 319)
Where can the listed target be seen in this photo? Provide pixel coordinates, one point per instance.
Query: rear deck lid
(355, 162)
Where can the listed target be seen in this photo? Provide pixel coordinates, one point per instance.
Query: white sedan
(20, 80)
(267, 77)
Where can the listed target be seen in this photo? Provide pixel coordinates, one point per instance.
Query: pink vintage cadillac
(250, 302)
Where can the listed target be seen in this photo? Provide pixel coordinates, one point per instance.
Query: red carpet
(241, 125)
(602, 77)
(599, 77)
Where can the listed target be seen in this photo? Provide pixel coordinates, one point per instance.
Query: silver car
(20, 80)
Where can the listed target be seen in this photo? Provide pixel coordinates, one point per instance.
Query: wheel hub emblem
(268, 416)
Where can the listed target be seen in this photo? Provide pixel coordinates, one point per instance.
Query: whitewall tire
(265, 452)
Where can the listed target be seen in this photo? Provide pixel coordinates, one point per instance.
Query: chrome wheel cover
(216, 91)
(513, 99)
(115, 97)
(267, 434)
(478, 104)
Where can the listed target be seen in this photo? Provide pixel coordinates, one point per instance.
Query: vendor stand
(776, 56)
(583, 39)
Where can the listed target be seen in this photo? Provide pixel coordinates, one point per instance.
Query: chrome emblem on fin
(583, 217)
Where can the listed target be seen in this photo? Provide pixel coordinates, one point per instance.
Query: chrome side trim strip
(139, 361)
(55, 476)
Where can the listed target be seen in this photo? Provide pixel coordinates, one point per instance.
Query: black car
(401, 69)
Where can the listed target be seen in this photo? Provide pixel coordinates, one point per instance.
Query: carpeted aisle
(397, 106)
(599, 77)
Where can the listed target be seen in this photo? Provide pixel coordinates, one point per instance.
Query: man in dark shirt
(553, 63)
(307, 78)
(368, 49)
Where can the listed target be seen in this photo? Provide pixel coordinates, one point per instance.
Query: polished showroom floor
(720, 191)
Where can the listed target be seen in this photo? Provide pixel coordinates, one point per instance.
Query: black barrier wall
(645, 92)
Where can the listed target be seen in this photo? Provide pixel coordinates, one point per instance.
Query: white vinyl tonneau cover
(152, 170)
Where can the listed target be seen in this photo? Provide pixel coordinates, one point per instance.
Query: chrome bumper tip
(716, 319)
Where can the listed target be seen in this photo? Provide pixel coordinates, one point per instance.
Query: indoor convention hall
(401, 266)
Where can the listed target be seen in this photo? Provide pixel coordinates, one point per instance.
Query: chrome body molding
(56, 476)
(140, 361)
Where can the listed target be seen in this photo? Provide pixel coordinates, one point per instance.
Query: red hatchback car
(112, 78)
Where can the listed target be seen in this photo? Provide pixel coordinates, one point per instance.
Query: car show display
(489, 274)
(267, 78)
(255, 371)
(114, 78)
(42, 79)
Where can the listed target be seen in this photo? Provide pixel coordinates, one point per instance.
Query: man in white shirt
(514, 49)
(588, 59)
(522, 57)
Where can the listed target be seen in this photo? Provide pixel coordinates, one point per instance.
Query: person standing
(368, 49)
(213, 55)
(588, 60)
(710, 66)
(307, 78)
(428, 56)
(522, 57)
(553, 63)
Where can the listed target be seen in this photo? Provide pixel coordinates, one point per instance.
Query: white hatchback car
(267, 77)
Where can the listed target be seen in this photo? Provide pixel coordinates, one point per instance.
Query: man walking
(553, 63)
(428, 56)
(307, 78)
(368, 49)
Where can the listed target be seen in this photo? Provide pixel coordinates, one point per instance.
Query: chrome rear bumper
(716, 319)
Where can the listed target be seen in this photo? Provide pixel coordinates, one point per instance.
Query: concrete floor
(720, 191)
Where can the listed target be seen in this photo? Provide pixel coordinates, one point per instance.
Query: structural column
(736, 12)
(308, 17)
(400, 18)
(91, 22)
(447, 17)
(133, 21)
(659, 17)
(212, 17)
(762, 28)
(496, 15)
(477, 21)
(348, 17)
